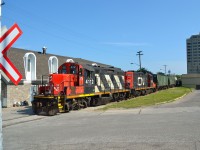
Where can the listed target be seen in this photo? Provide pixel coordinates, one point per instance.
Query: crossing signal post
(1, 135)
(6, 41)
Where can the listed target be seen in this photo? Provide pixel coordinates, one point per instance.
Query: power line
(51, 34)
(81, 39)
(54, 34)
(49, 22)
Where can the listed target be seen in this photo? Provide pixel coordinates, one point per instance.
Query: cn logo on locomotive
(140, 81)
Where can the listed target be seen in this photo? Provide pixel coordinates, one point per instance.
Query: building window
(30, 66)
(53, 64)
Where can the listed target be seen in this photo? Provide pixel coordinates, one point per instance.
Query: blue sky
(108, 31)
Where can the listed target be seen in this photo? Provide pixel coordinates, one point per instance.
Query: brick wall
(18, 93)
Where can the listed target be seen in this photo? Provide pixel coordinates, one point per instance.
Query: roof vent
(44, 50)
(70, 60)
(94, 64)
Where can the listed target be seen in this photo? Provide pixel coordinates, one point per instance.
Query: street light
(169, 71)
(161, 70)
(134, 64)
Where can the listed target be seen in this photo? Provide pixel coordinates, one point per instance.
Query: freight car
(172, 80)
(164, 81)
(161, 81)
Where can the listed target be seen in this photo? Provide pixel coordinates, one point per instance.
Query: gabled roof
(16, 56)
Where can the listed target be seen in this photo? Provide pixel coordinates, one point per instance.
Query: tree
(160, 73)
(144, 70)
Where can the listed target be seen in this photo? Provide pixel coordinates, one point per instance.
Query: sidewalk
(16, 115)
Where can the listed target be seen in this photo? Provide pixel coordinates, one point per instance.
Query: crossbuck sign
(6, 41)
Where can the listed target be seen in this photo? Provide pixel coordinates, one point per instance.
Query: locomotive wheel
(34, 108)
(104, 101)
(70, 106)
(76, 106)
(116, 98)
(92, 102)
(84, 104)
(35, 111)
(67, 108)
(142, 93)
(51, 112)
(88, 102)
(96, 100)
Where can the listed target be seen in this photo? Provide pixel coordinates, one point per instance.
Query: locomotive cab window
(63, 70)
(89, 77)
(88, 74)
(73, 69)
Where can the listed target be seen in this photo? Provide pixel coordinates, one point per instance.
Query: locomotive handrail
(43, 84)
(42, 79)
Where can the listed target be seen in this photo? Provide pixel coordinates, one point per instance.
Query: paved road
(164, 127)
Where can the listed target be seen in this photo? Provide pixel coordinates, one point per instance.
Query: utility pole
(165, 68)
(139, 53)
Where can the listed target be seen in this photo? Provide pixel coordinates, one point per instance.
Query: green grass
(163, 96)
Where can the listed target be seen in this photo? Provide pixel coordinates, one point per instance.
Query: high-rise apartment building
(193, 54)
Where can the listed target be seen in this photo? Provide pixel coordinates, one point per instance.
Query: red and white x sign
(6, 41)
